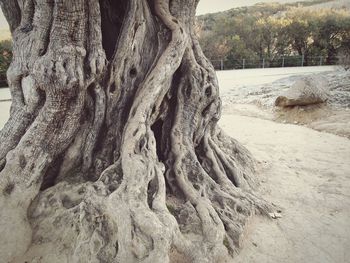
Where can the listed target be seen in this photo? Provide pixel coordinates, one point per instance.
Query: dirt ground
(304, 166)
(307, 173)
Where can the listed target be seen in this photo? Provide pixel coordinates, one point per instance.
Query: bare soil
(307, 173)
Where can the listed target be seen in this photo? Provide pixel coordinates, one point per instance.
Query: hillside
(268, 32)
(207, 21)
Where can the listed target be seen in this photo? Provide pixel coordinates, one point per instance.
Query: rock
(275, 215)
(306, 90)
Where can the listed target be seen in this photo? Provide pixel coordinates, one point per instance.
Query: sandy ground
(304, 166)
(242, 78)
(307, 173)
(4, 94)
(4, 112)
(304, 171)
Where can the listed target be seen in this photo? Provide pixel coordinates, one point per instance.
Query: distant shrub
(5, 60)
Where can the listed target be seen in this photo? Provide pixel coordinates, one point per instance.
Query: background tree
(112, 151)
(332, 33)
(5, 60)
(300, 31)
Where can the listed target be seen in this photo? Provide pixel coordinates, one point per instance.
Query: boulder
(305, 91)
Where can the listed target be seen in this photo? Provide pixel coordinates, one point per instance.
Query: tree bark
(112, 152)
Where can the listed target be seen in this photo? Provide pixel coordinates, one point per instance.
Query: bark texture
(112, 152)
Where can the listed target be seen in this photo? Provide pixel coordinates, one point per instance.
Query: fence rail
(285, 61)
(3, 79)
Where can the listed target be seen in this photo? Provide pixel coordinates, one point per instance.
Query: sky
(3, 23)
(205, 6)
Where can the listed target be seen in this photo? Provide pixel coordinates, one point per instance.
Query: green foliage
(271, 31)
(5, 60)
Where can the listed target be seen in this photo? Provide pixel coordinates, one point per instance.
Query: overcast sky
(3, 23)
(205, 6)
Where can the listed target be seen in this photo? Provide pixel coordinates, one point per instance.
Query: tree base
(91, 221)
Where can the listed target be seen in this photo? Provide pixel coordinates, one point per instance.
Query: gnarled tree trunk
(112, 151)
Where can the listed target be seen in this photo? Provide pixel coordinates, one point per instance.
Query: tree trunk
(112, 151)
